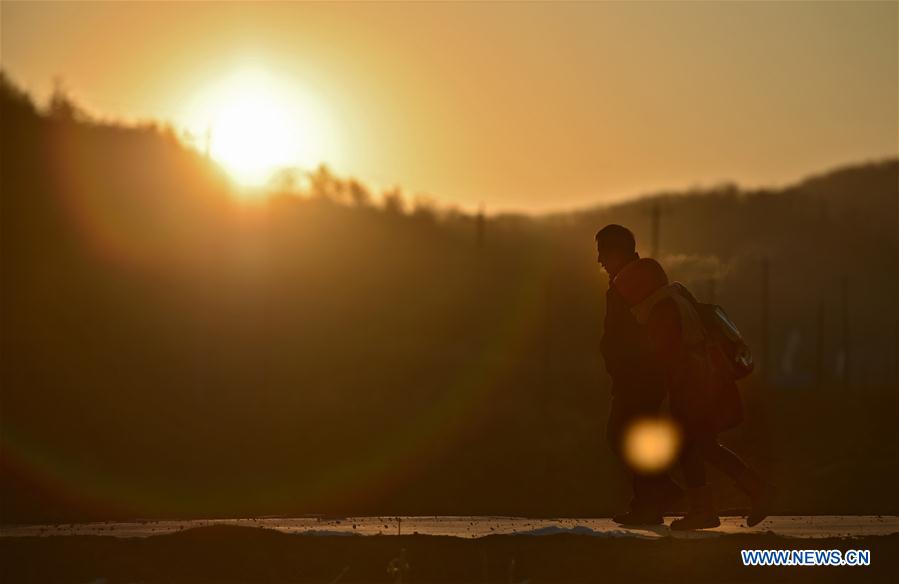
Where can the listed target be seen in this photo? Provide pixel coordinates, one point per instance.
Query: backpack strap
(691, 324)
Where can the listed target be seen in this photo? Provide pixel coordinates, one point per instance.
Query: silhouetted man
(638, 387)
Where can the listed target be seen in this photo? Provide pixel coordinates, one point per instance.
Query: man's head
(615, 248)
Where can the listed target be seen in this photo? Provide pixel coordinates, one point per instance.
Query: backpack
(730, 352)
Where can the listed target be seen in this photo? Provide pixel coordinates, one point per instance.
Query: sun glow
(256, 124)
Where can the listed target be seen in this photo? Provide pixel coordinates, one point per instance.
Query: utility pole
(765, 321)
(896, 354)
(844, 312)
(547, 332)
(207, 142)
(819, 348)
(656, 213)
(480, 227)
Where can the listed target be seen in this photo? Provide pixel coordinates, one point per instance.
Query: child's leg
(760, 491)
(723, 458)
(701, 513)
(692, 463)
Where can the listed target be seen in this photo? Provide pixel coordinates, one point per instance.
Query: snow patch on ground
(582, 530)
(325, 532)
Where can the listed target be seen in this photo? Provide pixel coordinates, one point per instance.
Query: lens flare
(651, 444)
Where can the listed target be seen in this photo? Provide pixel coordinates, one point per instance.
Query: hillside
(169, 350)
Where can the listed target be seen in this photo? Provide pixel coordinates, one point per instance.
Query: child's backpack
(729, 351)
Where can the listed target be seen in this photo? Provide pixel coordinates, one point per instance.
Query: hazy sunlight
(258, 124)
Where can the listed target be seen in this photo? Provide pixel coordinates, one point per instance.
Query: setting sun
(257, 124)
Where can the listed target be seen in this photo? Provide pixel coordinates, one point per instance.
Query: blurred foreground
(247, 554)
(814, 527)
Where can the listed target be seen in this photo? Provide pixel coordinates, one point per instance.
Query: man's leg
(656, 491)
(653, 493)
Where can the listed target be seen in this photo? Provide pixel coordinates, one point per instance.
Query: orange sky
(520, 106)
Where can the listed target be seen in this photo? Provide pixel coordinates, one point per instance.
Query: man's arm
(624, 348)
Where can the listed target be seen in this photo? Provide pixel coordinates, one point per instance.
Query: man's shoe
(701, 513)
(639, 517)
